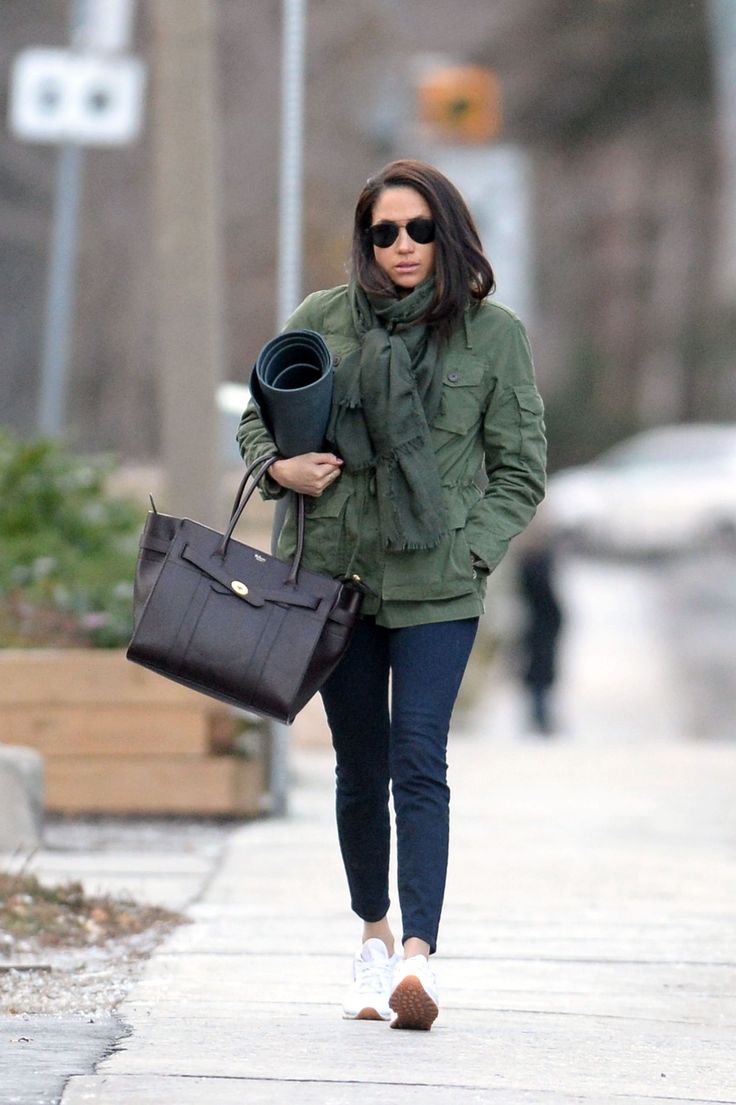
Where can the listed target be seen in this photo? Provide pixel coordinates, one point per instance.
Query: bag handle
(242, 498)
(264, 462)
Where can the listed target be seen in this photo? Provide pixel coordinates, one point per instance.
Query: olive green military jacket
(490, 446)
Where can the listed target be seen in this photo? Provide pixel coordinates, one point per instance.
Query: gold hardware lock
(356, 578)
(238, 587)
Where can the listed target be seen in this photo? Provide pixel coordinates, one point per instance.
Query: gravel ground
(84, 981)
(92, 979)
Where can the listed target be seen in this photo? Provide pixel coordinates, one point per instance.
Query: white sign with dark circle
(61, 96)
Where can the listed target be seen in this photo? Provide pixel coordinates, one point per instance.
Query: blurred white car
(665, 490)
(231, 400)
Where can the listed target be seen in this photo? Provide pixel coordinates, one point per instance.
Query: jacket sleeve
(254, 441)
(252, 436)
(515, 450)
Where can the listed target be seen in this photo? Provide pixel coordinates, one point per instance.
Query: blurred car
(665, 490)
(231, 399)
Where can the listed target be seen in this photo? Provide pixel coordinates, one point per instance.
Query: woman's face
(406, 262)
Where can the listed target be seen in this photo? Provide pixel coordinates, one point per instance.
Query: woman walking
(436, 461)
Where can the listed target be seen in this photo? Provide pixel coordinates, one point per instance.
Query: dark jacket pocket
(460, 409)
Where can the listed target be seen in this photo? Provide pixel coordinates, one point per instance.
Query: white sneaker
(367, 996)
(414, 996)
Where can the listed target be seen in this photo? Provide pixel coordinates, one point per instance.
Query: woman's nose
(406, 245)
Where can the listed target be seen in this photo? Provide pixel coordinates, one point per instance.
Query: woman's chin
(405, 283)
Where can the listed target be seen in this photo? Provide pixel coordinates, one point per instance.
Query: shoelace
(371, 977)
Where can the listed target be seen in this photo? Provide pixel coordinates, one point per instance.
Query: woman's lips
(408, 267)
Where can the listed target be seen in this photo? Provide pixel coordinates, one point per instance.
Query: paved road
(588, 951)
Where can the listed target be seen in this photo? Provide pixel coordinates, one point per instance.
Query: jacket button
(453, 376)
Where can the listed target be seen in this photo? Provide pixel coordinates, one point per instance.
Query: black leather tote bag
(233, 622)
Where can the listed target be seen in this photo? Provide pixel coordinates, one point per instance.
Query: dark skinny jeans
(404, 745)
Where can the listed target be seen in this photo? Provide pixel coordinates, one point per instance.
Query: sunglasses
(385, 234)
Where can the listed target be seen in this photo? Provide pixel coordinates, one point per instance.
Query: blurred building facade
(612, 102)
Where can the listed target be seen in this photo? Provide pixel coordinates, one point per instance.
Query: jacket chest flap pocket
(462, 395)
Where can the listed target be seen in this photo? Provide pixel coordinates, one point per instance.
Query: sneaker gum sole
(366, 1014)
(412, 1005)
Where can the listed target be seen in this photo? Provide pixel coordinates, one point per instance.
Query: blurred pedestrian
(432, 381)
(543, 622)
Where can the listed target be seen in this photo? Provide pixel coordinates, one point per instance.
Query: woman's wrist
(275, 469)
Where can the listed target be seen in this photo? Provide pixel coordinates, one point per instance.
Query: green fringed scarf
(386, 394)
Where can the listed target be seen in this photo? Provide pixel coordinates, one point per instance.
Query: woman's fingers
(324, 458)
(309, 473)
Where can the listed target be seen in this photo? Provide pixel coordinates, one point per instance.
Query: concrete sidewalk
(587, 953)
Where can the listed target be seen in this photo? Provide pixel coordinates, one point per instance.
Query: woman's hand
(309, 473)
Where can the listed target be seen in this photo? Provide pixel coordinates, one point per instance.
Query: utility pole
(187, 233)
(291, 158)
(60, 293)
(722, 15)
(58, 328)
(289, 286)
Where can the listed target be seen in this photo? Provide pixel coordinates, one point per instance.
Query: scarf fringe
(416, 546)
(350, 402)
(406, 448)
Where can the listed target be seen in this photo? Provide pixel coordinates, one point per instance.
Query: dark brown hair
(462, 271)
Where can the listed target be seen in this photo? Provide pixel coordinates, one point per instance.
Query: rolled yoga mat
(291, 387)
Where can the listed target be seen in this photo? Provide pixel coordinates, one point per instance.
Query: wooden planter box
(119, 739)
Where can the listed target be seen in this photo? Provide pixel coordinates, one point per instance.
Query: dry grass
(62, 916)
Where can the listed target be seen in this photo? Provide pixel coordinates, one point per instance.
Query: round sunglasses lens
(384, 234)
(421, 230)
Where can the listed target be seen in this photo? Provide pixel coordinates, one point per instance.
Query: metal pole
(289, 287)
(60, 295)
(722, 15)
(292, 130)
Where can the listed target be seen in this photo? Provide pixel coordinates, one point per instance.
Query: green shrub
(67, 549)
